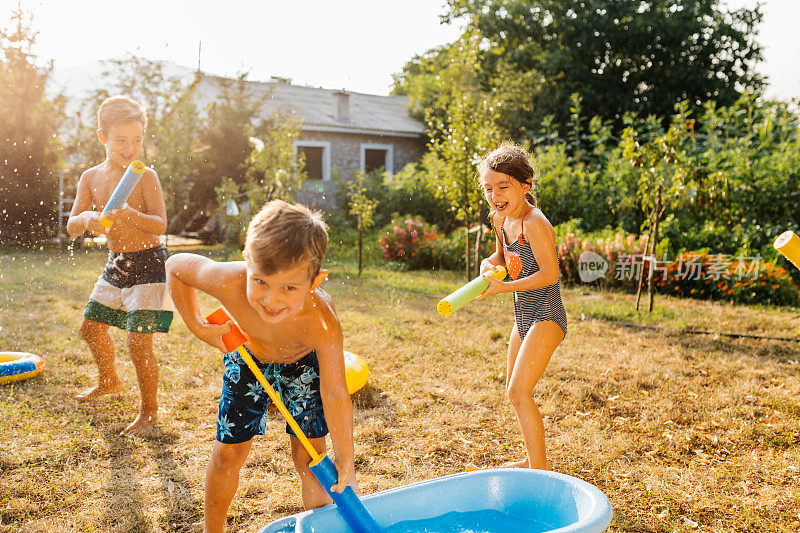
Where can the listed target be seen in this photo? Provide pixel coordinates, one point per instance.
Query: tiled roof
(368, 113)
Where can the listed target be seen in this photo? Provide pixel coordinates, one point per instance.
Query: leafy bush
(599, 195)
(411, 191)
(409, 241)
(694, 274)
(740, 163)
(417, 245)
(448, 250)
(617, 248)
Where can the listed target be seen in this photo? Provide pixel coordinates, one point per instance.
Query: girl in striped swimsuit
(526, 246)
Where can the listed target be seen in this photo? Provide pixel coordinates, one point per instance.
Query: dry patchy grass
(682, 432)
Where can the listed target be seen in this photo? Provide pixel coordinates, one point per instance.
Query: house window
(312, 155)
(375, 156)
(317, 155)
(374, 159)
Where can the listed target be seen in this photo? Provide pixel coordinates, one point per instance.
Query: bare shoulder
(536, 223)
(227, 269)
(91, 182)
(91, 176)
(225, 281)
(219, 279)
(92, 171)
(150, 175)
(324, 308)
(229, 275)
(324, 325)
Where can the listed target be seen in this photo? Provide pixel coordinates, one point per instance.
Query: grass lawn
(681, 432)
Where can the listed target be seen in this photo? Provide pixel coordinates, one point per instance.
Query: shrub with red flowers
(409, 242)
(722, 277)
(616, 248)
(416, 245)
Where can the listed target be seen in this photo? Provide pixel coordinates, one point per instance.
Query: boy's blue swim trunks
(244, 402)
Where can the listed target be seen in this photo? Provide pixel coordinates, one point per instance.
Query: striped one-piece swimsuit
(534, 305)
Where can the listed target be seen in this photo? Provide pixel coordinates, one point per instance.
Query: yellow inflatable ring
(356, 372)
(16, 366)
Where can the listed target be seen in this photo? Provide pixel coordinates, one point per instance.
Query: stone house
(342, 132)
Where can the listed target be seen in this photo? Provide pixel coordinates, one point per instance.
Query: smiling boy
(295, 338)
(130, 293)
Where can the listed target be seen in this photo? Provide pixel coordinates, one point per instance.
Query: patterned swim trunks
(131, 293)
(243, 403)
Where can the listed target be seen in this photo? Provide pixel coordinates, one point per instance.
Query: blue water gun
(123, 190)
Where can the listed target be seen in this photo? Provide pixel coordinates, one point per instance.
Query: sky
(350, 44)
(355, 45)
(778, 35)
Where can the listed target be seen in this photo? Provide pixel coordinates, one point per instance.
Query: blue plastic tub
(543, 500)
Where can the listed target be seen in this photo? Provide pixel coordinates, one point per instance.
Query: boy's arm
(154, 218)
(186, 273)
(82, 218)
(336, 402)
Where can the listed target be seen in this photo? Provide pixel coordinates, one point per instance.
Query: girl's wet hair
(512, 160)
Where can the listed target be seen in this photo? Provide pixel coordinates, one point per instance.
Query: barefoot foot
(144, 425)
(93, 393)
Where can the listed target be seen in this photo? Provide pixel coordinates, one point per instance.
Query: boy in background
(130, 293)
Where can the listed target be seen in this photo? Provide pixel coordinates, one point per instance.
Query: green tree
(225, 139)
(750, 153)
(232, 219)
(458, 145)
(461, 123)
(668, 180)
(363, 207)
(176, 157)
(270, 173)
(29, 150)
(621, 56)
(270, 169)
(429, 81)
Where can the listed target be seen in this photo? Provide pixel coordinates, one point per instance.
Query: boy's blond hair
(119, 109)
(282, 235)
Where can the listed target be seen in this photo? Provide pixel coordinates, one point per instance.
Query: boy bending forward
(295, 338)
